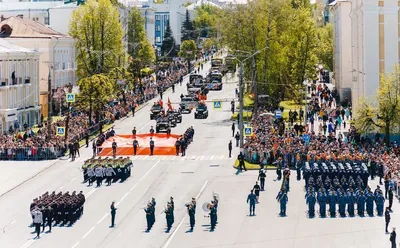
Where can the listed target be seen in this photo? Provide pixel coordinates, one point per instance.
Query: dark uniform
(151, 146)
(261, 177)
(230, 148)
(135, 146)
(113, 213)
(114, 148)
(177, 146)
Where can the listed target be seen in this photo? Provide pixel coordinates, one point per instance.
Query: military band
(97, 169)
(59, 208)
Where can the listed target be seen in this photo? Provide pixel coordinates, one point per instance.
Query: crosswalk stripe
(173, 157)
(193, 157)
(202, 157)
(221, 157)
(183, 158)
(212, 157)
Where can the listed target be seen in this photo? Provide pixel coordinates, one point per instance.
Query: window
(158, 39)
(166, 18)
(157, 17)
(46, 20)
(158, 28)
(36, 19)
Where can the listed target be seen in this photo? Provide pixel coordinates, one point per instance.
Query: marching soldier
(109, 174)
(90, 175)
(261, 177)
(282, 199)
(322, 198)
(151, 146)
(135, 146)
(251, 199)
(183, 143)
(311, 203)
(99, 175)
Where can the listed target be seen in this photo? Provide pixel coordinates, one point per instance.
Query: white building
(19, 85)
(57, 52)
(374, 43)
(36, 11)
(60, 17)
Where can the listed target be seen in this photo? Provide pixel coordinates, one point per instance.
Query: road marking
(13, 222)
(91, 229)
(136, 184)
(173, 158)
(105, 216)
(193, 157)
(145, 126)
(61, 188)
(91, 192)
(180, 223)
(123, 198)
(28, 243)
(221, 157)
(75, 245)
(212, 157)
(73, 179)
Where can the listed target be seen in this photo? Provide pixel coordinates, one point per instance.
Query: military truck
(201, 111)
(155, 111)
(162, 124)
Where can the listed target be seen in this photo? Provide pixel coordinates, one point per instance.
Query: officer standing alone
(233, 129)
(230, 148)
(387, 219)
(113, 213)
(114, 148)
(135, 146)
(151, 146)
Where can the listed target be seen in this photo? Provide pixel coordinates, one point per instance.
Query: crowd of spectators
(275, 142)
(23, 143)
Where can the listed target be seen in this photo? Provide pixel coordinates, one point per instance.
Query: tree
(168, 44)
(188, 51)
(188, 31)
(98, 33)
(206, 19)
(384, 112)
(140, 49)
(325, 46)
(94, 93)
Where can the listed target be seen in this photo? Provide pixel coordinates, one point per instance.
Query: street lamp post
(241, 95)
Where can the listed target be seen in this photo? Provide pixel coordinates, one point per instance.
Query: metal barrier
(31, 153)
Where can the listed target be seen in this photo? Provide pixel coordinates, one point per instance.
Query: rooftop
(12, 6)
(201, 2)
(18, 27)
(7, 47)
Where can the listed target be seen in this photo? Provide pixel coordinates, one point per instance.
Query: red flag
(161, 103)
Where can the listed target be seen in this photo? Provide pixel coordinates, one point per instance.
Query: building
(36, 11)
(19, 86)
(374, 41)
(57, 52)
(342, 49)
(60, 17)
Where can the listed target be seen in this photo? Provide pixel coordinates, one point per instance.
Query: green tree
(94, 91)
(98, 33)
(187, 30)
(168, 46)
(384, 112)
(205, 20)
(140, 49)
(325, 46)
(188, 51)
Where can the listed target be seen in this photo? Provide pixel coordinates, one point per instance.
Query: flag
(169, 104)
(161, 103)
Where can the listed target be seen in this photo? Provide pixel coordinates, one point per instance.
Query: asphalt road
(205, 169)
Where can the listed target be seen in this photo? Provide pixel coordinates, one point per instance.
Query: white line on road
(123, 198)
(61, 188)
(13, 222)
(105, 216)
(91, 229)
(145, 126)
(212, 157)
(27, 244)
(75, 245)
(90, 192)
(180, 223)
(145, 175)
(73, 179)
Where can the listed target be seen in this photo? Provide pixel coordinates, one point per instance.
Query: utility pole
(49, 105)
(241, 89)
(305, 102)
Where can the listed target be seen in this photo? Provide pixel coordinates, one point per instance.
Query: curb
(31, 177)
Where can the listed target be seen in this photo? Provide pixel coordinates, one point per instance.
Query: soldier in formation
(191, 208)
(59, 208)
(110, 169)
(342, 187)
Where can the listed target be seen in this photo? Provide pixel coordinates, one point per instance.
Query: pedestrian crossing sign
(70, 97)
(248, 131)
(217, 104)
(60, 131)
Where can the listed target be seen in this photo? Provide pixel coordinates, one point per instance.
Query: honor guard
(282, 199)
(99, 172)
(311, 203)
(135, 146)
(148, 217)
(109, 171)
(322, 199)
(177, 146)
(114, 148)
(151, 146)
(113, 210)
(167, 212)
(213, 217)
(191, 213)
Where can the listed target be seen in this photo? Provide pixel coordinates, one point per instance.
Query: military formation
(182, 143)
(109, 169)
(62, 208)
(341, 187)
